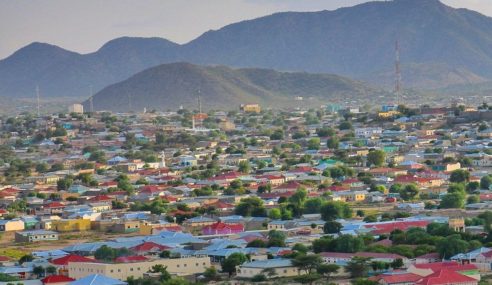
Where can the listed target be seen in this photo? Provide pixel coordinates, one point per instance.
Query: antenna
(199, 101)
(129, 102)
(397, 72)
(37, 98)
(91, 104)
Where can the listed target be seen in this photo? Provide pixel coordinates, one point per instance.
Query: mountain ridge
(169, 86)
(356, 42)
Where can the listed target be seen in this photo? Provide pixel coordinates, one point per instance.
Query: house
(343, 258)
(396, 278)
(446, 277)
(57, 280)
(97, 279)
(220, 228)
(183, 266)
(427, 258)
(71, 225)
(469, 270)
(61, 263)
(11, 225)
(149, 248)
(35, 235)
(281, 268)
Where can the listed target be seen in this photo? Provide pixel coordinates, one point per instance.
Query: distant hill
(170, 86)
(440, 46)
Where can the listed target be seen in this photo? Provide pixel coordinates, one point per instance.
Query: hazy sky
(85, 25)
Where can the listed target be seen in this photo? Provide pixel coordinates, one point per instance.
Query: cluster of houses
(165, 162)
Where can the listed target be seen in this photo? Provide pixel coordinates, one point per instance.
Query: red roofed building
(220, 206)
(427, 269)
(397, 278)
(130, 259)
(57, 280)
(447, 277)
(220, 228)
(386, 228)
(290, 186)
(62, 263)
(148, 248)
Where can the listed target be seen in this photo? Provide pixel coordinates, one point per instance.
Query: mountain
(170, 86)
(440, 46)
(59, 72)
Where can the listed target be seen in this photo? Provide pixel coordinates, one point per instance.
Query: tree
(159, 268)
(333, 143)
(313, 144)
(397, 263)
(409, 192)
(244, 166)
(307, 262)
(459, 176)
(211, 274)
(327, 269)
(349, 243)
(276, 238)
(26, 258)
(307, 278)
(299, 247)
(251, 206)
(257, 243)
(38, 271)
(298, 198)
(229, 264)
(451, 245)
(64, 183)
(472, 199)
(371, 219)
(362, 281)
(486, 181)
(312, 205)
(275, 214)
(51, 269)
(358, 267)
(376, 157)
(335, 210)
(345, 125)
(452, 201)
(332, 227)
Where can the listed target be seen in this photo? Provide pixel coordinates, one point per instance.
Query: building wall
(71, 225)
(248, 272)
(178, 266)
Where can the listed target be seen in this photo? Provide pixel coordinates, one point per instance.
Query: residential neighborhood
(334, 195)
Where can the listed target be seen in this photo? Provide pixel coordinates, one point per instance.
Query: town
(341, 195)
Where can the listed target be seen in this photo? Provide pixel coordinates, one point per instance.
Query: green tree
(327, 269)
(257, 243)
(486, 181)
(251, 206)
(244, 166)
(275, 214)
(397, 263)
(313, 144)
(229, 264)
(159, 268)
(358, 267)
(333, 143)
(276, 238)
(26, 258)
(307, 278)
(335, 210)
(376, 157)
(459, 176)
(211, 274)
(349, 243)
(409, 192)
(307, 262)
(451, 245)
(451, 201)
(332, 227)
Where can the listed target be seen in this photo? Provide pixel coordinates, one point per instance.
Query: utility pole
(91, 103)
(397, 72)
(37, 98)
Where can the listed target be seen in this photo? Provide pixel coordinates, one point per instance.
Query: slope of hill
(440, 46)
(170, 86)
(59, 72)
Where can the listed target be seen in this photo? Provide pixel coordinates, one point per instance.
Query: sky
(85, 25)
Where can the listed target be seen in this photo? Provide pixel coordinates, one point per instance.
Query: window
(119, 270)
(131, 269)
(177, 266)
(285, 270)
(111, 271)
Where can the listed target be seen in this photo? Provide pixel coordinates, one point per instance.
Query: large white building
(76, 108)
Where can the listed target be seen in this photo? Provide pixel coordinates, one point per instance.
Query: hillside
(440, 46)
(170, 86)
